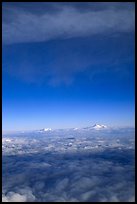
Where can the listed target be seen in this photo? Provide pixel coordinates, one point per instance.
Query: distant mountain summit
(89, 128)
(98, 126)
(95, 127)
(45, 129)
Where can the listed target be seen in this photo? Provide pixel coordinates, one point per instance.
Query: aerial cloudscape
(68, 101)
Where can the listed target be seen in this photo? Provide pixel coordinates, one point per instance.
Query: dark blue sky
(67, 65)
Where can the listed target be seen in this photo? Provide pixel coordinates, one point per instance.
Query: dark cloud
(38, 22)
(76, 40)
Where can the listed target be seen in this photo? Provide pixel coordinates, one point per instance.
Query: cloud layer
(65, 21)
(69, 166)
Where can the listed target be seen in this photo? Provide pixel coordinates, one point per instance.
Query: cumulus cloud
(25, 195)
(67, 21)
(72, 173)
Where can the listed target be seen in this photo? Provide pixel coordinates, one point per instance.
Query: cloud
(25, 195)
(77, 40)
(73, 173)
(21, 25)
(63, 61)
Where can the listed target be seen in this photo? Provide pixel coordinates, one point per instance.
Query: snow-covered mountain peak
(45, 129)
(98, 126)
(76, 128)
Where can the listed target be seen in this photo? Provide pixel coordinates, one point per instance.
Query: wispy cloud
(77, 39)
(61, 62)
(22, 25)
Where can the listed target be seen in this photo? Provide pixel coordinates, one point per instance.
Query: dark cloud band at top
(22, 23)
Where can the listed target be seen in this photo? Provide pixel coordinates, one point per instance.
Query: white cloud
(69, 173)
(25, 196)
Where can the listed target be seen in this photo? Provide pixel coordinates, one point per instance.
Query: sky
(67, 64)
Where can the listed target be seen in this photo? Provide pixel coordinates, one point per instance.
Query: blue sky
(67, 65)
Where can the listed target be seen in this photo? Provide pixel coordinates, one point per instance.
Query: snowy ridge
(45, 130)
(98, 127)
(95, 127)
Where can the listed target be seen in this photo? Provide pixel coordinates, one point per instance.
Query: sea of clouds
(96, 166)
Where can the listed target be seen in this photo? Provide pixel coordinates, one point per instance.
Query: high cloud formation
(69, 166)
(60, 21)
(58, 43)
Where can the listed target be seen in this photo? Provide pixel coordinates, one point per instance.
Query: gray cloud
(67, 21)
